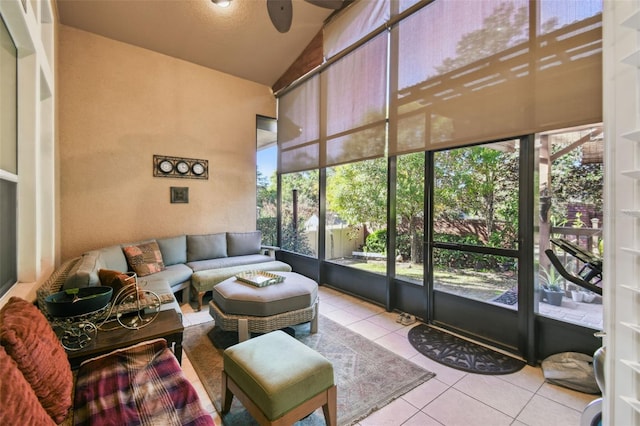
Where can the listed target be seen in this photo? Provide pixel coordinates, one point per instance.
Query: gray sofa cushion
(85, 272)
(174, 274)
(173, 249)
(80, 275)
(209, 246)
(203, 281)
(243, 243)
(113, 258)
(226, 262)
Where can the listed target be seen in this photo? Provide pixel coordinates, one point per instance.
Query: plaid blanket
(139, 385)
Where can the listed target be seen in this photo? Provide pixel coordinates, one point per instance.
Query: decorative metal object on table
(132, 307)
(79, 313)
(75, 313)
(259, 278)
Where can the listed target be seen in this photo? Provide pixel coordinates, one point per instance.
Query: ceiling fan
(281, 11)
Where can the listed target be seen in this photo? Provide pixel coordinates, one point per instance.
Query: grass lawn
(481, 285)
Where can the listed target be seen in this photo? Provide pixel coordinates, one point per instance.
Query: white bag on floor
(572, 370)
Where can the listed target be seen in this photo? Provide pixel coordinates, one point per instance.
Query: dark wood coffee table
(167, 325)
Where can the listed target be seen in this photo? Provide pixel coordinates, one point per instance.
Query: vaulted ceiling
(238, 40)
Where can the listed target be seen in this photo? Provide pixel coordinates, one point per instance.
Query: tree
(572, 181)
(478, 182)
(306, 186)
(410, 202)
(266, 194)
(357, 192)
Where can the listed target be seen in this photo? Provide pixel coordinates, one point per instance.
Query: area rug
(368, 376)
(459, 353)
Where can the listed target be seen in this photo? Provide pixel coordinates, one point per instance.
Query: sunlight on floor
(453, 397)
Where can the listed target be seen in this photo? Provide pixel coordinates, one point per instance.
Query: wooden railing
(584, 237)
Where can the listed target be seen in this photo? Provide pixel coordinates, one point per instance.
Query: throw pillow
(20, 405)
(114, 279)
(31, 342)
(145, 258)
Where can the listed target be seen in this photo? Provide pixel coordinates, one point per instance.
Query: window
(356, 233)
(475, 220)
(300, 212)
(410, 217)
(266, 193)
(266, 180)
(8, 160)
(571, 209)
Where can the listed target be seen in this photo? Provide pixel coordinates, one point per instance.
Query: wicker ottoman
(242, 307)
(278, 379)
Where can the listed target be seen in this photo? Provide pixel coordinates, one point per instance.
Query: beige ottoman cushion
(239, 298)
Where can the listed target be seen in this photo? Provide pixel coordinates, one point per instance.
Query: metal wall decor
(179, 194)
(178, 167)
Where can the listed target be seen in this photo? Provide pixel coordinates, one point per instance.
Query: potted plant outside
(552, 293)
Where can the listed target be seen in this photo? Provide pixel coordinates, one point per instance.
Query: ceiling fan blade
(327, 4)
(281, 14)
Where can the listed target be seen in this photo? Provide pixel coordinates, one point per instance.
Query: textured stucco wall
(118, 105)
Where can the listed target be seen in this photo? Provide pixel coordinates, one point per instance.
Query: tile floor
(452, 397)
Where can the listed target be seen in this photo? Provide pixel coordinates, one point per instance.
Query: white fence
(341, 241)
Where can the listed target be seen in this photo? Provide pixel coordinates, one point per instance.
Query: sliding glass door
(475, 240)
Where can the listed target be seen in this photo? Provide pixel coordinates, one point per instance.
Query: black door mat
(509, 297)
(459, 353)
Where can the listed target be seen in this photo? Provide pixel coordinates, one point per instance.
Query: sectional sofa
(168, 265)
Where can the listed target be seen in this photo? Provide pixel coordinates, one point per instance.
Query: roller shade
(299, 128)
(355, 88)
(472, 71)
(460, 72)
(353, 24)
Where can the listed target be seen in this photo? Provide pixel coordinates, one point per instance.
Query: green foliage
(269, 228)
(306, 185)
(377, 241)
(410, 206)
(551, 278)
(572, 181)
(410, 186)
(455, 258)
(404, 246)
(266, 196)
(296, 240)
(554, 287)
(443, 258)
(479, 182)
(357, 192)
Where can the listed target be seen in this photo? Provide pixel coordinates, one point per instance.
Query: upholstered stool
(278, 379)
(245, 308)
